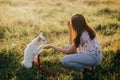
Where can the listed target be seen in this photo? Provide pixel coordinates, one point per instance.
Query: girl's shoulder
(85, 33)
(85, 36)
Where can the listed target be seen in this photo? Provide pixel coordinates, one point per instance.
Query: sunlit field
(22, 20)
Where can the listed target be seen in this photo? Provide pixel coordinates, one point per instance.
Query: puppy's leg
(38, 50)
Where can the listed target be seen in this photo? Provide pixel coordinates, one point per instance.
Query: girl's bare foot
(89, 67)
(88, 70)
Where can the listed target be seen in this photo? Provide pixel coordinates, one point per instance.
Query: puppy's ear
(39, 38)
(41, 34)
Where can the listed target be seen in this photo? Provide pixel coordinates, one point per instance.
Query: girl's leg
(77, 61)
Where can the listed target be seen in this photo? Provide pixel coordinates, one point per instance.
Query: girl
(84, 52)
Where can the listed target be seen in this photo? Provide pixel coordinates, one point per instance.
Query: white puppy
(32, 50)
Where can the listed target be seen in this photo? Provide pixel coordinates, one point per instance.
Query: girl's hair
(79, 25)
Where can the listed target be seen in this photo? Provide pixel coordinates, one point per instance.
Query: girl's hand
(47, 46)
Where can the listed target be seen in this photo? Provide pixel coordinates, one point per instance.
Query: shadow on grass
(30, 74)
(10, 68)
(56, 67)
(9, 60)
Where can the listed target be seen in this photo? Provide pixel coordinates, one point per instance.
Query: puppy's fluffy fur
(32, 50)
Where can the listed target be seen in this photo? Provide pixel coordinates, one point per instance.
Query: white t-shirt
(87, 45)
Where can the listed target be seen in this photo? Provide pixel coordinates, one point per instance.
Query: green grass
(22, 20)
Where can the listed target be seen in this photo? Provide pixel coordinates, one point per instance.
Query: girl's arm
(66, 51)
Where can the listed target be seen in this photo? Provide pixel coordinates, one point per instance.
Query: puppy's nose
(47, 42)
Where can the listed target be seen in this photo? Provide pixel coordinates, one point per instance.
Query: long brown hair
(79, 25)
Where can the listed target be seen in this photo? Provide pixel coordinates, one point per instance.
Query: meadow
(22, 20)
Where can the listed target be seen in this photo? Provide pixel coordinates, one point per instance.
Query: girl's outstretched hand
(47, 46)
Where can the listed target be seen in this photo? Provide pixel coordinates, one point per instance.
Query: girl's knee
(65, 60)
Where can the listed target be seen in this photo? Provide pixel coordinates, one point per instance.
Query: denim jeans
(79, 61)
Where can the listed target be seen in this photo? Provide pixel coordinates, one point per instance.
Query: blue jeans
(79, 61)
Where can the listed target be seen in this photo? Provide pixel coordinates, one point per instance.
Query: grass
(23, 20)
